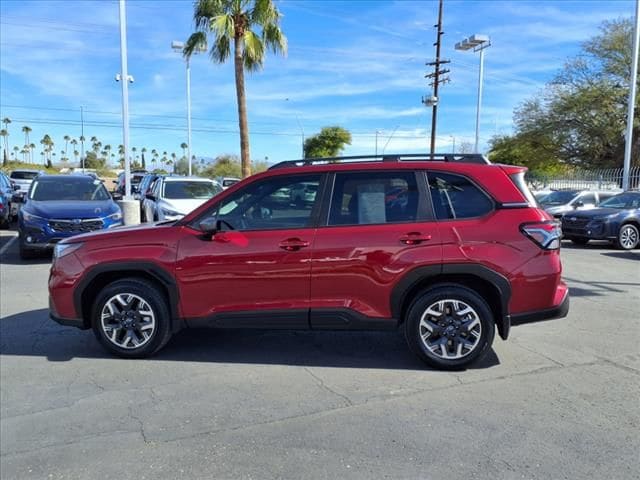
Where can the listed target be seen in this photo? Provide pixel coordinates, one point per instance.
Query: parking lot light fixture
(477, 43)
(178, 46)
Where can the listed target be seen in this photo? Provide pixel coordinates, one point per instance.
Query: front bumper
(67, 322)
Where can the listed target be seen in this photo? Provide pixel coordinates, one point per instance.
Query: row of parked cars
(50, 208)
(595, 215)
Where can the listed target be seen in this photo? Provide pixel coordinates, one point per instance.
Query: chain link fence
(600, 179)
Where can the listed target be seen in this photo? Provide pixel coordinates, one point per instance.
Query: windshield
(24, 175)
(559, 198)
(624, 200)
(50, 189)
(190, 189)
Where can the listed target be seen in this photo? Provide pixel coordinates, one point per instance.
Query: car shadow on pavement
(34, 334)
(626, 255)
(596, 288)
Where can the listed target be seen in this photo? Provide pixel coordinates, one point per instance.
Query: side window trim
(494, 204)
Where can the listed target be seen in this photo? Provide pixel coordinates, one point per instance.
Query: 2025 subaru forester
(450, 248)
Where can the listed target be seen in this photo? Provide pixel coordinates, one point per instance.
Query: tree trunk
(245, 155)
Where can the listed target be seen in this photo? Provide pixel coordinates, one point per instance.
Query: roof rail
(400, 157)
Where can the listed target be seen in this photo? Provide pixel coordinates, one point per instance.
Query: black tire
(26, 253)
(628, 237)
(579, 240)
(155, 300)
(456, 293)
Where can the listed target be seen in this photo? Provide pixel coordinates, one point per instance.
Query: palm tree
(6, 121)
(107, 151)
(144, 163)
(154, 155)
(26, 130)
(133, 150)
(47, 145)
(74, 142)
(82, 139)
(4, 133)
(25, 153)
(228, 20)
(32, 147)
(66, 139)
(184, 146)
(15, 152)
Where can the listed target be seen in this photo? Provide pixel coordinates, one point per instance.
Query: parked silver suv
(559, 202)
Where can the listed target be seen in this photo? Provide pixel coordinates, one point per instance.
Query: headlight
(115, 216)
(62, 249)
(30, 217)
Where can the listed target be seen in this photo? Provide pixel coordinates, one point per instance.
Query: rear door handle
(293, 244)
(414, 238)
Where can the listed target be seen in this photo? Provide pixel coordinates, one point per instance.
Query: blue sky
(358, 64)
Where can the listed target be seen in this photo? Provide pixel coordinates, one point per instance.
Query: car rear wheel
(131, 319)
(628, 237)
(449, 327)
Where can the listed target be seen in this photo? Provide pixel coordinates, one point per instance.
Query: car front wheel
(131, 319)
(449, 327)
(628, 237)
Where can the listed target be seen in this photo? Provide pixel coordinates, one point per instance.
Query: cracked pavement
(558, 400)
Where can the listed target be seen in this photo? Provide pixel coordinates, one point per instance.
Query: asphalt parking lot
(558, 400)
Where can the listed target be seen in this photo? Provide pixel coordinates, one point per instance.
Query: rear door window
(374, 198)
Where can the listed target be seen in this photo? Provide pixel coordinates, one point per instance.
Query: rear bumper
(559, 311)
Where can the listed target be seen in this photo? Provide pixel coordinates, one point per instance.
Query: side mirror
(209, 226)
(17, 199)
(578, 204)
(16, 188)
(150, 196)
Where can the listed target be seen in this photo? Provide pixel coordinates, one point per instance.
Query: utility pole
(437, 73)
(632, 100)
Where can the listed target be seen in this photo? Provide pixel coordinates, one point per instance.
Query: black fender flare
(411, 279)
(147, 269)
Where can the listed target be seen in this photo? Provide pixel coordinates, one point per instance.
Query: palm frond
(205, 10)
(274, 39)
(221, 50)
(253, 50)
(196, 41)
(223, 26)
(264, 12)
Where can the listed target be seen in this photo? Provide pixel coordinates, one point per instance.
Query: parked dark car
(617, 220)
(450, 250)
(60, 206)
(6, 194)
(143, 187)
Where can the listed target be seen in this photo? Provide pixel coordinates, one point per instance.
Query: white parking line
(6, 246)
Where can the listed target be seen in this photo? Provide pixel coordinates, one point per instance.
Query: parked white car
(171, 198)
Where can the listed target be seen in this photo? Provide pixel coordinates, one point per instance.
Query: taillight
(546, 235)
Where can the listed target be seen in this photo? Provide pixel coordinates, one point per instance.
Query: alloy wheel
(628, 237)
(450, 329)
(128, 321)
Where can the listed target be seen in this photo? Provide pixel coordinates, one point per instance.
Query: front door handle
(293, 244)
(414, 238)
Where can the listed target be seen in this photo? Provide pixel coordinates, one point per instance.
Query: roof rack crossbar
(400, 157)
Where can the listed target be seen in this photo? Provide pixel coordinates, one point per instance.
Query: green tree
(184, 147)
(328, 143)
(93, 161)
(253, 27)
(579, 119)
(144, 162)
(66, 139)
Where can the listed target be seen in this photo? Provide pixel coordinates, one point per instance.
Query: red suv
(448, 247)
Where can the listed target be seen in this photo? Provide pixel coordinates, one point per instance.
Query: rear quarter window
(456, 197)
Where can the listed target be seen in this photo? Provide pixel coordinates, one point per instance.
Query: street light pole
(477, 43)
(125, 98)
(632, 100)
(179, 47)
